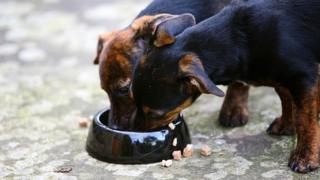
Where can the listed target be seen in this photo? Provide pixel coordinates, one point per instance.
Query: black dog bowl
(128, 147)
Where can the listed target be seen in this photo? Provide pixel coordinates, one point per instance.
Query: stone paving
(48, 82)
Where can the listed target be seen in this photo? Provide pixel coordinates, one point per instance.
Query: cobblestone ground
(48, 82)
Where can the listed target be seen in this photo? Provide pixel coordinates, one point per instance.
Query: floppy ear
(162, 28)
(102, 39)
(191, 67)
(168, 28)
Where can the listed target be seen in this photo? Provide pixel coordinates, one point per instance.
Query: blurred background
(48, 83)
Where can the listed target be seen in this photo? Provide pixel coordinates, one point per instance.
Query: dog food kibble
(174, 142)
(176, 155)
(205, 150)
(188, 150)
(83, 122)
(166, 163)
(172, 126)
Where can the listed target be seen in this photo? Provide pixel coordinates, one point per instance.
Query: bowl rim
(97, 120)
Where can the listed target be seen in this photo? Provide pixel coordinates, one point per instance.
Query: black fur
(260, 42)
(201, 9)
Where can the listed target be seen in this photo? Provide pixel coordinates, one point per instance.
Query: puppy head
(117, 52)
(162, 88)
(115, 55)
(169, 80)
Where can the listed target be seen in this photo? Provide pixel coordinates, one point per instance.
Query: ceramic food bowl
(129, 147)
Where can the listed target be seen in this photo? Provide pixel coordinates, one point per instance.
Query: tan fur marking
(163, 39)
(124, 82)
(144, 24)
(169, 117)
(305, 157)
(106, 36)
(186, 62)
(146, 109)
(195, 83)
(115, 65)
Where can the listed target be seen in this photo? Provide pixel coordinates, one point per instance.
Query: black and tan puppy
(118, 52)
(261, 42)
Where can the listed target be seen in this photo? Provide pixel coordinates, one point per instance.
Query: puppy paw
(279, 128)
(303, 162)
(234, 117)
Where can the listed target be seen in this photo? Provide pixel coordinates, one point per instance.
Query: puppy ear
(99, 49)
(168, 28)
(161, 29)
(102, 39)
(191, 67)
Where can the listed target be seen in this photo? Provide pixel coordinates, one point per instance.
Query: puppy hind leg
(234, 111)
(284, 125)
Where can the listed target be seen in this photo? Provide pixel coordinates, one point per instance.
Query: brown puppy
(116, 55)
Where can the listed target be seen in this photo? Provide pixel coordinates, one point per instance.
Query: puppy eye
(123, 90)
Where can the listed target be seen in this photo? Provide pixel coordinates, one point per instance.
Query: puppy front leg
(305, 157)
(234, 111)
(284, 125)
